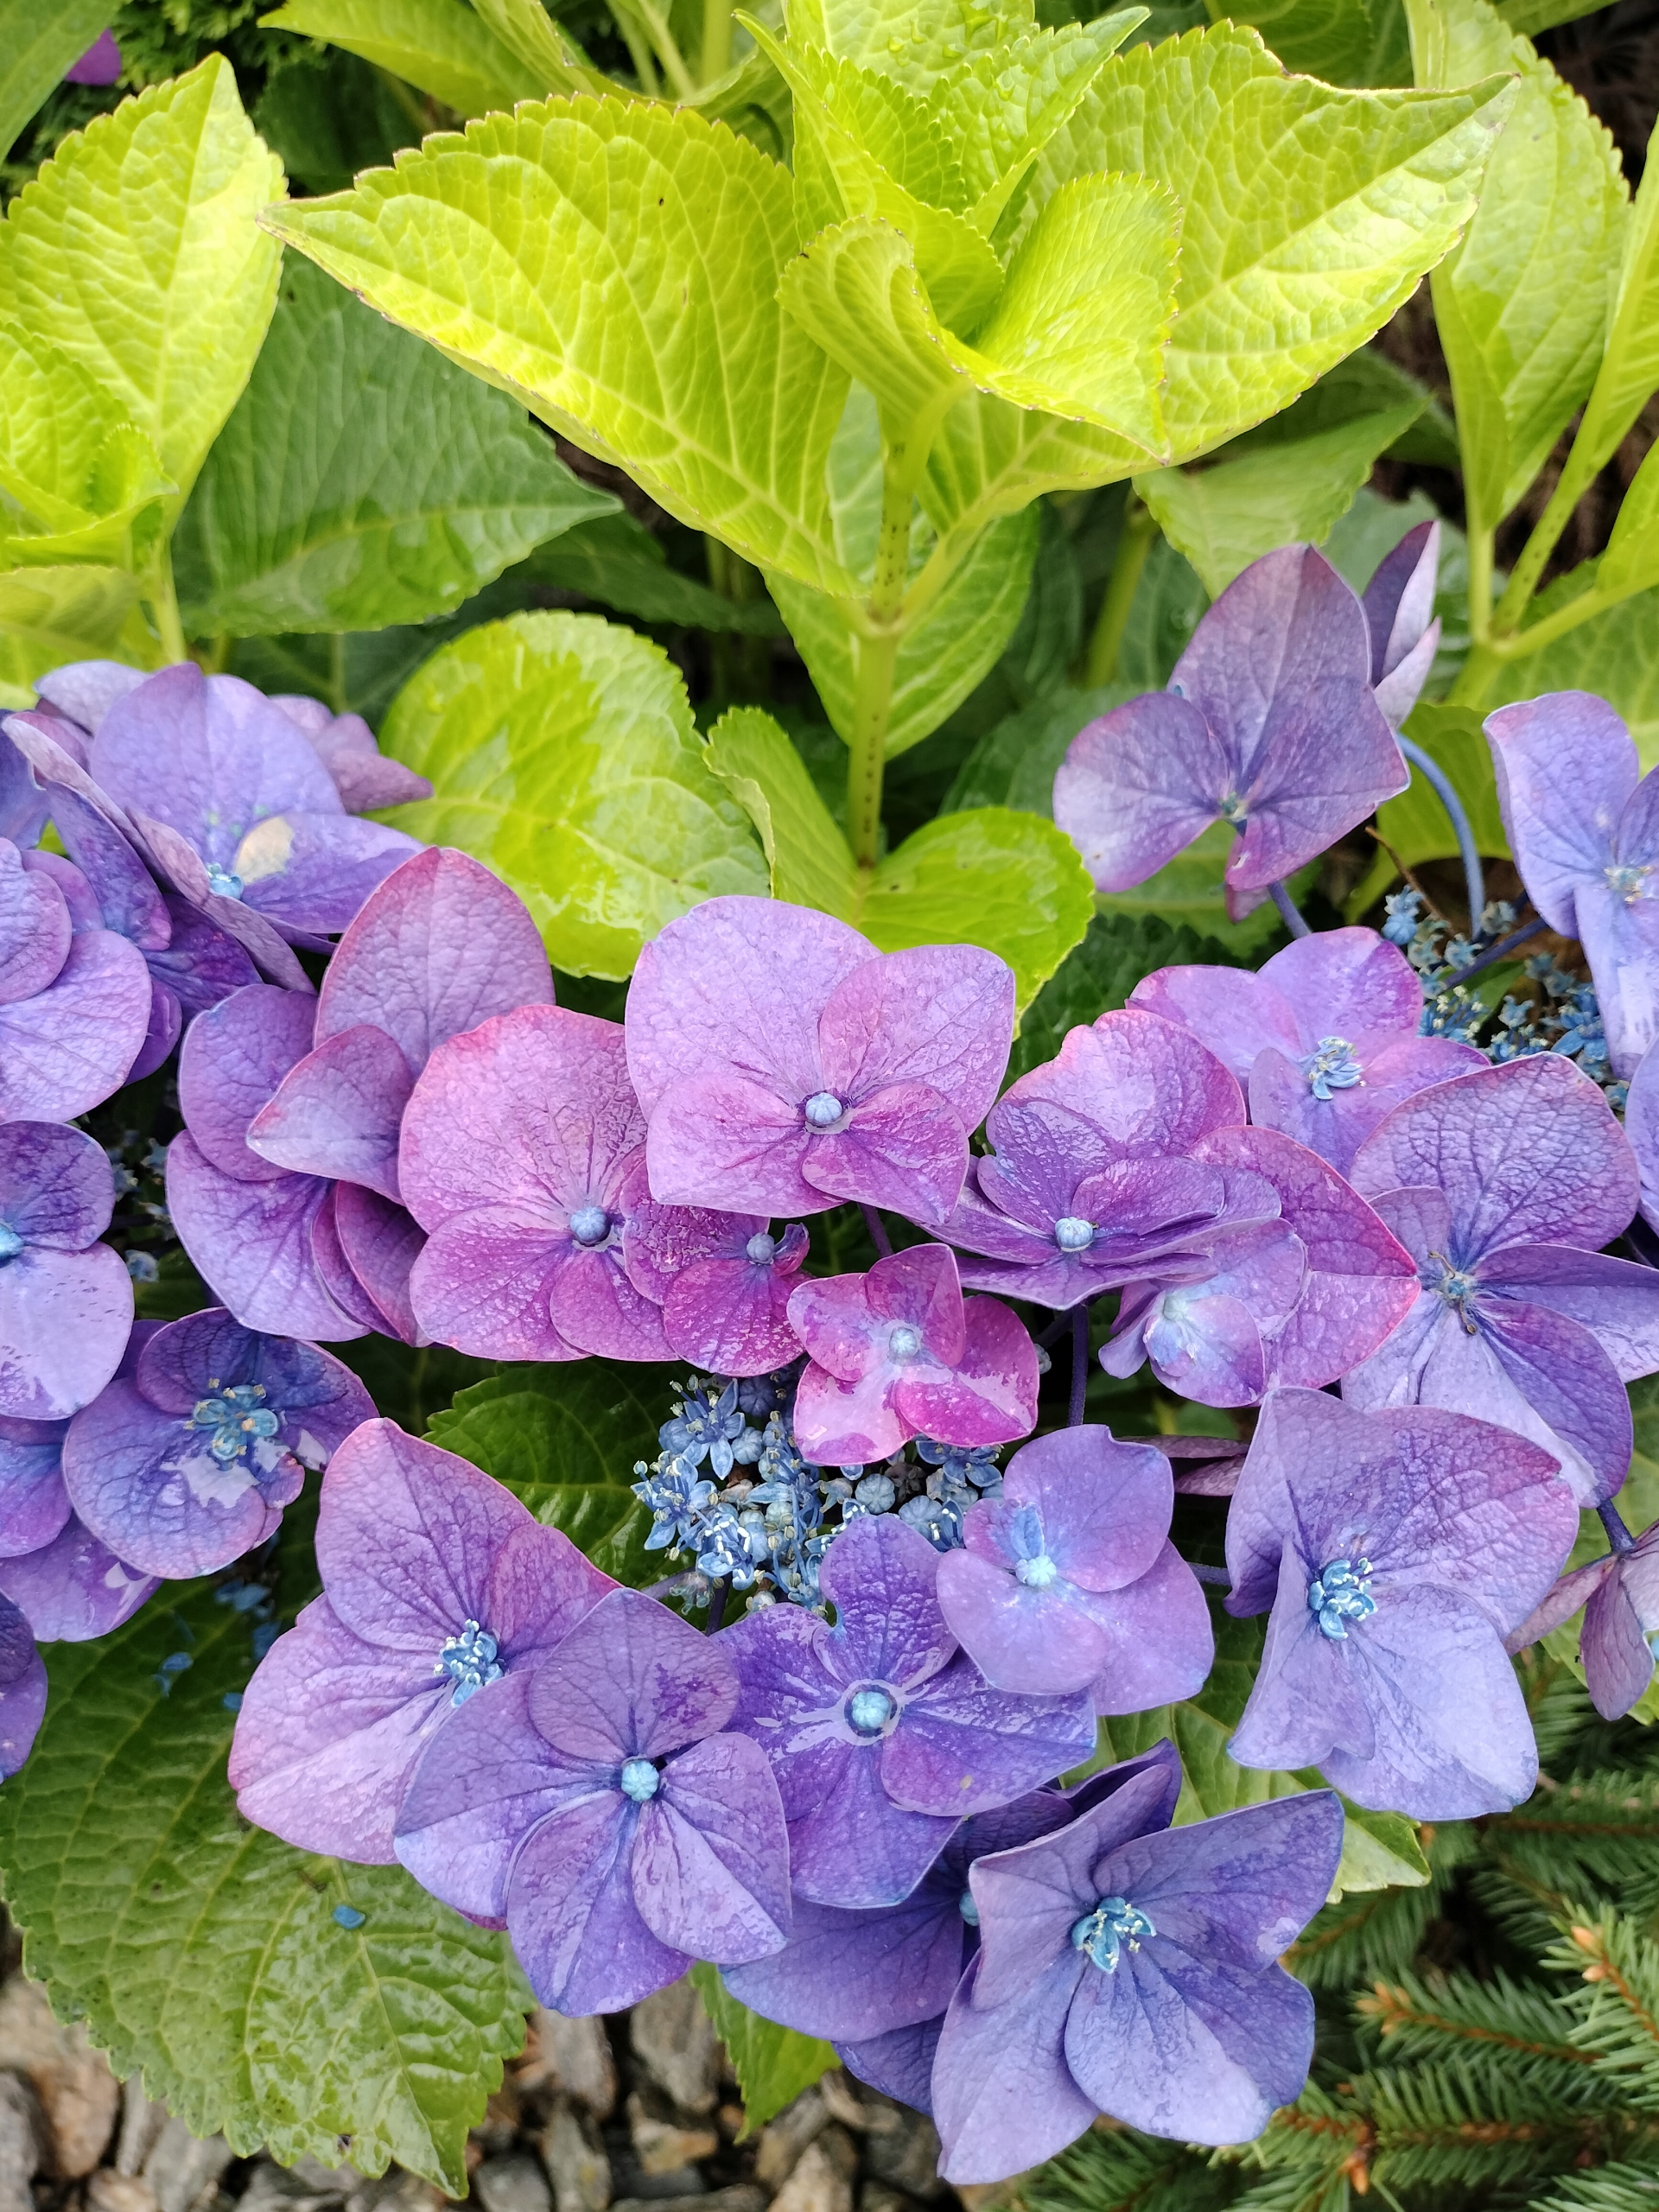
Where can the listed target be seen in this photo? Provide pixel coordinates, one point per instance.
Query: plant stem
(1134, 544)
(639, 51)
(878, 1230)
(1288, 913)
(1480, 583)
(876, 653)
(1462, 829)
(716, 58)
(1499, 951)
(1079, 1363)
(667, 50)
(1218, 1575)
(163, 603)
(1618, 1534)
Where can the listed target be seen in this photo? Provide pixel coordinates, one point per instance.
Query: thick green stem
(1480, 580)
(875, 649)
(1534, 557)
(716, 56)
(667, 50)
(162, 601)
(1134, 544)
(639, 51)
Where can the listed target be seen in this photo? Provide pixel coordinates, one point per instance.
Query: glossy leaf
(85, 479)
(208, 1953)
(39, 43)
(1414, 826)
(808, 859)
(618, 561)
(565, 1440)
(1015, 762)
(1344, 41)
(562, 754)
(48, 616)
(363, 481)
(561, 253)
(440, 46)
(135, 252)
(772, 2064)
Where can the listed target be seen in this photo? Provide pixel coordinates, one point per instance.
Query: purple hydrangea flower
(1405, 632)
(74, 998)
(786, 1065)
(1129, 1967)
(193, 963)
(876, 1983)
(900, 1352)
(600, 1804)
(33, 1503)
(520, 1151)
(23, 1690)
(1397, 1550)
(1583, 823)
(1315, 1284)
(722, 1281)
(1069, 1580)
(1269, 723)
(1641, 1128)
(74, 1589)
(881, 1733)
(1503, 1186)
(435, 1581)
(188, 1463)
(208, 771)
(99, 65)
(1092, 1174)
(65, 1301)
(1619, 1595)
(347, 747)
(441, 946)
(1323, 1036)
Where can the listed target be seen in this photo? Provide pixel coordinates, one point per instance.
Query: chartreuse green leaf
(563, 753)
(1614, 652)
(1522, 306)
(1628, 374)
(772, 2064)
(206, 1953)
(86, 479)
(1414, 827)
(1631, 561)
(135, 252)
(39, 43)
(564, 1441)
(1308, 215)
(440, 46)
(362, 481)
(809, 858)
(48, 616)
(616, 267)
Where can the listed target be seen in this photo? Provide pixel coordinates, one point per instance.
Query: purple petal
(1620, 936)
(901, 1148)
(900, 2063)
(849, 1976)
(74, 1589)
(1139, 785)
(731, 1316)
(310, 872)
(1149, 1085)
(85, 691)
(572, 1917)
(1283, 1099)
(1105, 1506)
(938, 1015)
(1565, 766)
(711, 1855)
(339, 1112)
(1618, 1657)
(56, 1186)
(1399, 600)
(1351, 982)
(483, 1283)
(1004, 2099)
(126, 892)
(234, 1058)
(1231, 1010)
(200, 964)
(1570, 1385)
(346, 746)
(1037, 1641)
(64, 1319)
(70, 1047)
(335, 1272)
(380, 1243)
(34, 928)
(964, 1746)
(990, 1397)
(33, 1503)
(1641, 1128)
(178, 862)
(719, 1138)
(631, 1680)
(846, 1424)
(252, 1245)
(1159, 1644)
(23, 1690)
(882, 1579)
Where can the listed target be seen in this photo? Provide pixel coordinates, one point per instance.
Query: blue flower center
(1232, 809)
(1101, 1934)
(1627, 883)
(1073, 1234)
(11, 1242)
(903, 1342)
(1339, 1593)
(823, 1110)
(1036, 1574)
(1457, 1288)
(762, 1249)
(869, 1710)
(221, 881)
(590, 1225)
(469, 1660)
(1333, 1067)
(640, 1781)
(968, 1909)
(234, 1419)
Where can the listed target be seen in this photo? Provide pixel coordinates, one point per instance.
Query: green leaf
(84, 478)
(48, 616)
(809, 858)
(1015, 762)
(1615, 653)
(1011, 882)
(1380, 1851)
(772, 2064)
(326, 124)
(563, 253)
(1414, 827)
(1522, 305)
(362, 481)
(440, 46)
(1097, 975)
(1190, 888)
(1344, 41)
(1531, 16)
(942, 656)
(135, 252)
(1628, 374)
(562, 753)
(40, 42)
(1631, 561)
(1227, 515)
(565, 1440)
(620, 563)
(206, 1953)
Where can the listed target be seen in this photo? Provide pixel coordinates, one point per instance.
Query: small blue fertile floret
(1101, 1934)
(1341, 1593)
(470, 1661)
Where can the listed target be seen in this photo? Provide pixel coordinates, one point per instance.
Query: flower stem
(1498, 951)
(1618, 1534)
(1218, 1575)
(878, 1230)
(1462, 829)
(875, 654)
(1288, 913)
(163, 603)
(1079, 1363)
(716, 58)
(1134, 544)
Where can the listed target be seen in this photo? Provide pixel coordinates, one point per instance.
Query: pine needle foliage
(1491, 2039)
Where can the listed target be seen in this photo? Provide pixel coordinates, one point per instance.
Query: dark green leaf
(1014, 763)
(362, 481)
(617, 561)
(772, 2064)
(1099, 974)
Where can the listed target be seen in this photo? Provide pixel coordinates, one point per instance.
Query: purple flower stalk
(1405, 632)
(876, 1983)
(601, 1805)
(1068, 1581)
(435, 1582)
(1583, 823)
(522, 1151)
(784, 1065)
(65, 1301)
(900, 1352)
(1269, 723)
(722, 1281)
(74, 998)
(881, 1733)
(188, 1463)
(1397, 1550)
(1323, 1036)
(1503, 1186)
(1130, 1968)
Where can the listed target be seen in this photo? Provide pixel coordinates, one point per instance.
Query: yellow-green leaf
(81, 474)
(48, 616)
(810, 862)
(440, 46)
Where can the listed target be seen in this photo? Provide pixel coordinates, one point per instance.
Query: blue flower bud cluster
(730, 1487)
